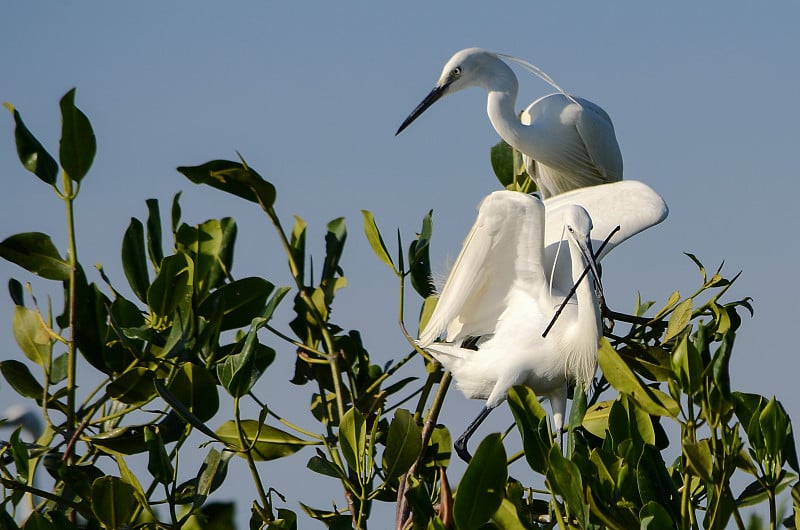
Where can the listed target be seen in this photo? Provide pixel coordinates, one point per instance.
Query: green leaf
(334, 245)
(78, 144)
(210, 246)
(265, 442)
(33, 156)
(502, 158)
(127, 440)
(241, 301)
(507, 517)
(19, 453)
(596, 418)
(419, 262)
(403, 444)
(440, 447)
(234, 178)
(774, 427)
(35, 252)
(319, 463)
(532, 423)
(622, 378)
(171, 286)
(195, 387)
(154, 244)
(482, 488)
(698, 459)
(653, 516)
(158, 463)
(16, 292)
(134, 260)
(211, 475)
(133, 387)
(21, 379)
(679, 319)
(114, 501)
(239, 372)
(375, 239)
(32, 336)
(353, 439)
(565, 479)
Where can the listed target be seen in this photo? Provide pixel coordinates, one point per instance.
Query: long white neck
(502, 87)
(586, 329)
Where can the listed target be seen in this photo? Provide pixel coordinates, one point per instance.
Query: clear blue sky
(703, 98)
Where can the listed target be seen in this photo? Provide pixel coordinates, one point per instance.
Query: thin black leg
(461, 443)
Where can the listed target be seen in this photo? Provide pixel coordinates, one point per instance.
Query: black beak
(429, 100)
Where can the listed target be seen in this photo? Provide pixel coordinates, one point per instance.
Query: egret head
(578, 224)
(468, 67)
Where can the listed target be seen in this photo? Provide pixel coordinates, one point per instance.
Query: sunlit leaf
(265, 442)
(239, 372)
(565, 479)
(32, 336)
(532, 423)
(78, 144)
(32, 154)
(679, 319)
(170, 287)
(375, 239)
(624, 380)
(35, 252)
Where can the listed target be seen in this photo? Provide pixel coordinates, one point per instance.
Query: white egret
(567, 142)
(498, 300)
(479, 291)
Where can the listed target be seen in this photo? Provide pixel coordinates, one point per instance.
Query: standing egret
(474, 299)
(498, 300)
(567, 142)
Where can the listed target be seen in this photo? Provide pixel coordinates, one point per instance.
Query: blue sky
(702, 98)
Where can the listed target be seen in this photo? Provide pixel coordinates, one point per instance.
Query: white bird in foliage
(498, 300)
(511, 273)
(567, 142)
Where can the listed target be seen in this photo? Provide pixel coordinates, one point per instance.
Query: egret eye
(456, 71)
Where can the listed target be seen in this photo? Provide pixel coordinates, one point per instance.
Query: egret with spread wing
(498, 300)
(567, 142)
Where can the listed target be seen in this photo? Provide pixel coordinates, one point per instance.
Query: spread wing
(504, 246)
(631, 204)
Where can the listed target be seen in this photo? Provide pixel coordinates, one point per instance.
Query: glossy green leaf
(78, 144)
(16, 292)
(319, 463)
(440, 447)
(38, 521)
(353, 439)
(624, 380)
(114, 501)
(19, 453)
(265, 442)
(195, 387)
(240, 300)
(698, 459)
(655, 517)
(403, 444)
(133, 387)
(419, 261)
(171, 286)
(21, 379)
(774, 427)
(32, 154)
(127, 440)
(532, 422)
(502, 159)
(211, 475)
(134, 259)
(507, 517)
(59, 369)
(679, 319)
(482, 488)
(239, 372)
(375, 239)
(35, 252)
(181, 411)
(155, 247)
(234, 178)
(210, 246)
(158, 462)
(595, 420)
(565, 480)
(32, 336)
(334, 246)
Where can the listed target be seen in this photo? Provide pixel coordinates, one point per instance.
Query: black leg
(461, 443)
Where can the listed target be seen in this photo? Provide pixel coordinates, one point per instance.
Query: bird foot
(461, 450)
